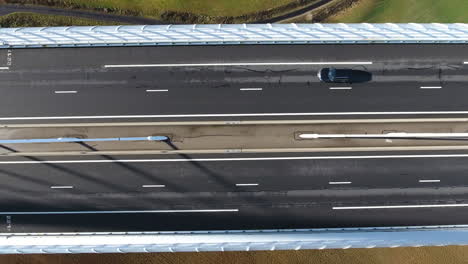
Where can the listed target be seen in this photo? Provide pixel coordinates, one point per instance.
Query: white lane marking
(235, 115)
(4, 68)
(465, 62)
(393, 135)
(431, 87)
(429, 180)
(397, 206)
(121, 212)
(341, 88)
(153, 186)
(240, 159)
(344, 182)
(157, 90)
(236, 64)
(62, 187)
(65, 92)
(246, 184)
(251, 89)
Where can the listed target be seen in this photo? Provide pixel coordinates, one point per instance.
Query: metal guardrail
(248, 240)
(153, 35)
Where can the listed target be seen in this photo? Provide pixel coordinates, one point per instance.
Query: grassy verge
(154, 8)
(405, 11)
(37, 20)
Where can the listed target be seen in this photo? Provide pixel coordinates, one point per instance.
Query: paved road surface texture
(229, 82)
(248, 191)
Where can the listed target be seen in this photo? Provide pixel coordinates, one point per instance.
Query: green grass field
(35, 20)
(153, 8)
(405, 11)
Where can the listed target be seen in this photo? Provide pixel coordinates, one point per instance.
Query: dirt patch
(184, 17)
(331, 9)
(423, 255)
(322, 13)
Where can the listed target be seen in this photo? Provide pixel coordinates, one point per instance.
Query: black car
(333, 75)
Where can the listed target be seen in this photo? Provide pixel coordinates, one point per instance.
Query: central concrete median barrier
(232, 137)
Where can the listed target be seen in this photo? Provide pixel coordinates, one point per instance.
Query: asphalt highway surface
(232, 192)
(229, 82)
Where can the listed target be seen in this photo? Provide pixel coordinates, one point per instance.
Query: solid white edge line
(345, 182)
(236, 115)
(236, 64)
(341, 88)
(153, 186)
(422, 181)
(121, 212)
(397, 206)
(239, 159)
(61, 187)
(251, 89)
(430, 87)
(246, 184)
(157, 90)
(65, 92)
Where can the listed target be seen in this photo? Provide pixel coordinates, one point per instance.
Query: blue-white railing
(233, 240)
(232, 34)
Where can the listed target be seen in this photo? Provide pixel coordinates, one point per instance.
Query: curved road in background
(6, 9)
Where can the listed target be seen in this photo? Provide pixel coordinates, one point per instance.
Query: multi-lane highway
(229, 82)
(210, 192)
(231, 191)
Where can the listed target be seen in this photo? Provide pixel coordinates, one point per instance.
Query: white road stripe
(431, 87)
(4, 68)
(246, 184)
(236, 64)
(341, 88)
(235, 115)
(153, 186)
(397, 206)
(61, 187)
(251, 89)
(344, 182)
(429, 180)
(121, 212)
(65, 92)
(160, 90)
(240, 159)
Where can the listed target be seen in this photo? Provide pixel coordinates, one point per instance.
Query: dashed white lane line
(62, 187)
(157, 90)
(237, 64)
(153, 186)
(422, 181)
(4, 68)
(121, 212)
(397, 206)
(251, 89)
(430, 87)
(246, 184)
(336, 183)
(341, 88)
(65, 92)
